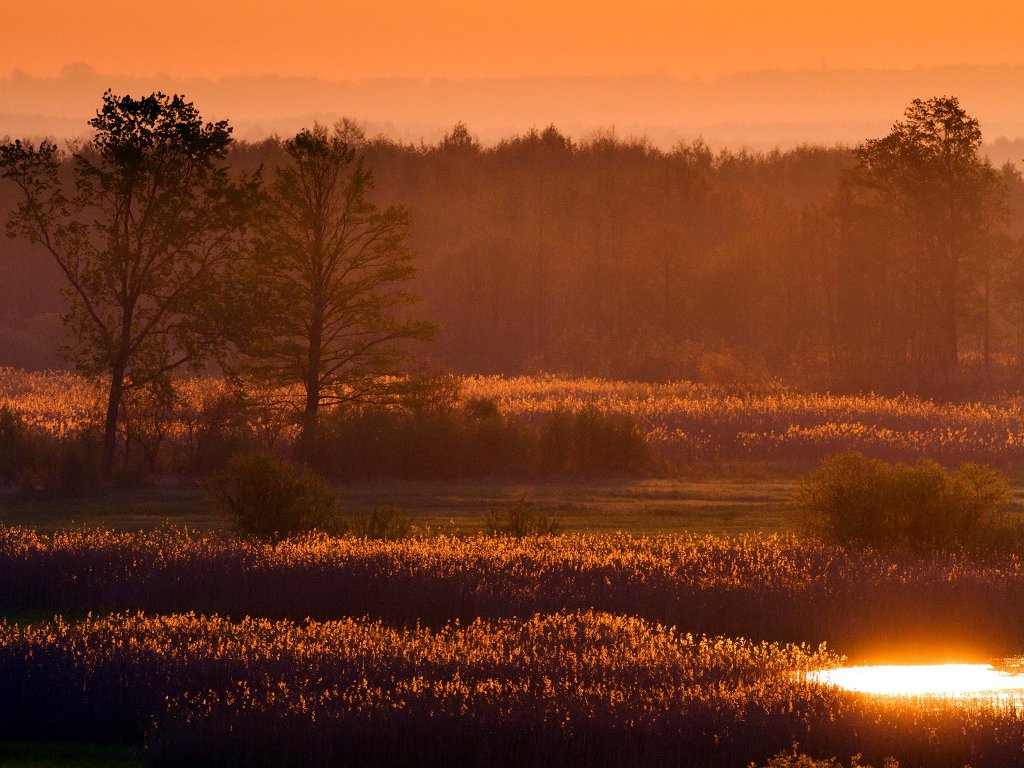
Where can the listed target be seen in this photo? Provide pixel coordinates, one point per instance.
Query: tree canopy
(328, 269)
(918, 205)
(144, 230)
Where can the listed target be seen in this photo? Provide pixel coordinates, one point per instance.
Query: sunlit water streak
(956, 681)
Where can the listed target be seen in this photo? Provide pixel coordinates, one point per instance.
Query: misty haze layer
(759, 110)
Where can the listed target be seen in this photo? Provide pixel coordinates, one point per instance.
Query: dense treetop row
(895, 265)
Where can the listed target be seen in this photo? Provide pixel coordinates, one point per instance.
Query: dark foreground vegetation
(862, 602)
(556, 689)
(564, 650)
(520, 646)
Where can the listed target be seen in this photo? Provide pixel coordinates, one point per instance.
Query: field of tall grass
(533, 426)
(591, 650)
(571, 650)
(550, 690)
(763, 587)
(559, 689)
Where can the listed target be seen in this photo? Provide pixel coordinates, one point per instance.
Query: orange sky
(340, 39)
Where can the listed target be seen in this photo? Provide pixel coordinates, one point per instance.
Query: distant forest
(613, 258)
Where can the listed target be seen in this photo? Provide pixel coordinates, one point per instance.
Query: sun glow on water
(945, 680)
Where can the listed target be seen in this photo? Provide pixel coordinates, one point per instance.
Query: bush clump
(14, 445)
(851, 498)
(270, 497)
(520, 519)
(381, 523)
(479, 441)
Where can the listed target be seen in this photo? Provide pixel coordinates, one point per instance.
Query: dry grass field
(581, 649)
(683, 423)
(669, 623)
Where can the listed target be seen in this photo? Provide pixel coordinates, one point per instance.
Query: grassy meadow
(744, 502)
(670, 621)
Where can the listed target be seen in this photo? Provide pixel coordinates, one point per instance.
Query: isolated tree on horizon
(919, 205)
(144, 232)
(328, 269)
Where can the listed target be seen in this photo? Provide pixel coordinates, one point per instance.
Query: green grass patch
(729, 503)
(31, 754)
(698, 505)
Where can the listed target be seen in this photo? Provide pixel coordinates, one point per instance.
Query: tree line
(894, 265)
(611, 257)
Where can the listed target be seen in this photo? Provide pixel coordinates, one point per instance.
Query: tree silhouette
(144, 233)
(917, 205)
(328, 267)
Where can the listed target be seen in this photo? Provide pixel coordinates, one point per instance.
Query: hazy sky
(459, 39)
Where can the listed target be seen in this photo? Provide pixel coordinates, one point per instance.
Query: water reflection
(945, 680)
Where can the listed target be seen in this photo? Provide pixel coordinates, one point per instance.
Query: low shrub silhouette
(851, 498)
(590, 442)
(381, 523)
(220, 429)
(40, 463)
(478, 441)
(270, 497)
(14, 445)
(520, 519)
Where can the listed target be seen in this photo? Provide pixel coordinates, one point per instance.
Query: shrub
(221, 430)
(148, 416)
(49, 465)
(609, 443)
(477, 440)
(482, 408)
(270, 497)
(14, 445)
(384, 523)
(852, 498)
(591, 442)
(520, 519)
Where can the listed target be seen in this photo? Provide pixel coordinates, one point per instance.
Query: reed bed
(682, 422)
(577, 650)
(687, 422)
(562, 689)
(777, 587)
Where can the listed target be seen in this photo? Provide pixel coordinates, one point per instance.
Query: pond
(941, 680)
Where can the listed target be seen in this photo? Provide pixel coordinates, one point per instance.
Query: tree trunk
(986, 338)
(114, 397)
(311, 412)
(310, 422)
